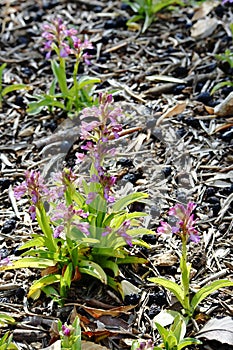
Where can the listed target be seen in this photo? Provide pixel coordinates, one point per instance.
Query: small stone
(204, 97)
(225, 108)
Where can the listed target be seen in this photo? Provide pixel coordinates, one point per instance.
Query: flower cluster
(69, 216)
(97, 133)
(64, 41)
(184, 225)
(34, 187)
(67, 330)
(121, 232)
(146, 345)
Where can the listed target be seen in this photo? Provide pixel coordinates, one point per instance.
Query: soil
(180, 150)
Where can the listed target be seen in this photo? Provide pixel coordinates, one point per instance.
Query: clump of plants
(184, 227)
(70, 94)
(85, 230)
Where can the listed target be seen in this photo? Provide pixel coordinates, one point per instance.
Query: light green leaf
(170, 285)
(60, 74)
(83, 81)
(162, 331)
(29, 262)
(35, 289)
(93, 269)
(15, 87)
(207, 290)
(4, 318)
(34, 242)
(129, 199)
(188, 341)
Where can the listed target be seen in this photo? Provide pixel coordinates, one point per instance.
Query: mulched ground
(183, 151)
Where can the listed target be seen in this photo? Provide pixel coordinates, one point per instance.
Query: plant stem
(185, 272)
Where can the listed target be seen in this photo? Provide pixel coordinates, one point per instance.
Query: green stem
(75, 74)
(44, 224)
(185, 271)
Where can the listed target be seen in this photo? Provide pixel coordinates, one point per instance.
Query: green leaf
(29, 262)
(207, 290)
(131, 260)
(110, 265)
(15, 87)
(93, 269)
(140, 231)
(129, 199)
(36, 107)
(35, 289)
(221, 85)
(83, 81)
(162, 331)
(60, 74)
(170, 285)
(37, 241)
(4, 318)
(43, 254)
(188, 341)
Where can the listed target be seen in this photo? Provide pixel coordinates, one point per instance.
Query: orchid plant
(172, 338)
(186, 231)
(85, 230)
(70, 335)
(60, 44)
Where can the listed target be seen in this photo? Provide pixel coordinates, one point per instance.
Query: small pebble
(132, 299)
(210, 191)
(213, 200)
(204, 97)
(154, 310)
(8, 226)
(4, 183)
(125, 162)
(130, 178)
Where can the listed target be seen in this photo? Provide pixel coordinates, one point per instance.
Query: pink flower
(5, 261)
(185, 224)
(66, 330)
(80, 157)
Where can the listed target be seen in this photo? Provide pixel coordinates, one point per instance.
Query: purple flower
(185, 224)
(107, 231)
(5, 261)
(57, 231)
(66, 330)
(83, 227)
(122, 232)
(64, 41)
(90, 197)
(80, 157)
(34, 187)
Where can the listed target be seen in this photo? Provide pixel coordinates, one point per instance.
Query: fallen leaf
(204, 9)
(116, 311)
(87, 345)
(165, 259)
(204, 27)
(165, 78)
(171, 112)
(219, 329)
(225, 108)
(128, 288)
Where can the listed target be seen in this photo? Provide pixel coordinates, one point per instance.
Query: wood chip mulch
(179, 150)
